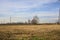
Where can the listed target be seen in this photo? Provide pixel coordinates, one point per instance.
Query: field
(29, 32)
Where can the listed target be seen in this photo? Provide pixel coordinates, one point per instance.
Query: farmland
(29, 32)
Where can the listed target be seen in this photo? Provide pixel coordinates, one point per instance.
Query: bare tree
(35, 20)
(29, 21)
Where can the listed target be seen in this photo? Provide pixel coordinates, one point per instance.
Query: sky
(22, 10)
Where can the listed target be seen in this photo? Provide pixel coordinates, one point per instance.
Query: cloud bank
(29, 8)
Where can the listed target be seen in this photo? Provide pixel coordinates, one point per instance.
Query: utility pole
(10, 19)
(0, 21)
(59, 17)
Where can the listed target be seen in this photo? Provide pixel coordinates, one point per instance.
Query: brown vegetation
(29, 32)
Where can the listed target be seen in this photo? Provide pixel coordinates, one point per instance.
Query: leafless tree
(35, 20)
(29, 21)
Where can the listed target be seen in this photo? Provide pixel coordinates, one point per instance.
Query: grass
(29, 32)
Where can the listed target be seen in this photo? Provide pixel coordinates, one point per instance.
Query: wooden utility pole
(59, 16)
(10, 19)
(0, 21)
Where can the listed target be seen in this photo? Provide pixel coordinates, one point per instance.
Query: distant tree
(29, 21)
(35, 20)
(25, 22)
(57, 22)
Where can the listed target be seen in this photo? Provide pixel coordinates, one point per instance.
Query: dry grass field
(29, 32)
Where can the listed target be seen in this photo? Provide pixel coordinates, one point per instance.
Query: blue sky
(46, 10)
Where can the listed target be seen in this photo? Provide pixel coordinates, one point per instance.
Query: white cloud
(25, 16)
(22, 5)
(26, 4)
(14, 7)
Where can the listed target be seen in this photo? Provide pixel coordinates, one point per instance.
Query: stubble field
(29, 32)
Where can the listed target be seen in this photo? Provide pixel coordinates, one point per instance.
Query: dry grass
(30, 32)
